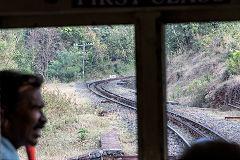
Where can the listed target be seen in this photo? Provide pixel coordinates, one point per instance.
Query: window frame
(150, 55)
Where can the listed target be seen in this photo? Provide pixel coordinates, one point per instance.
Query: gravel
(128, 117)
(174, 144)
(186, 134)
(228, 129)
(120, 90)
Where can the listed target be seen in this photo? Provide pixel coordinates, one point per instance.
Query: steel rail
(232, 118)
(180, 136)
(190, 128)
(200, 125)
(115, 96)
(233, 106)
(174, 114)
(123, 100)
(237, 103)
(104, 96)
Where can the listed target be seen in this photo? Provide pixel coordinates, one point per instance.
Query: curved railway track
(196, 129)
(96, 87)
(205, 132)
(186, 143)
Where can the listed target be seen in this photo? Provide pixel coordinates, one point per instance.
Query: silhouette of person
(22, 117)
(212, 150)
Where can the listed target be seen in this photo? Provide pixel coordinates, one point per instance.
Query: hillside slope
(201, 80)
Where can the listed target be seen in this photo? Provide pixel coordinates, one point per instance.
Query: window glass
(70, 59)
(203, 82)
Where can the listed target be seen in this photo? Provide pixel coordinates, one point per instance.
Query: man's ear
(3, 118)
(6, 114)
(5, 121)
(3, 111)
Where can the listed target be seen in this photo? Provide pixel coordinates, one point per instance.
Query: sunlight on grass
(74, 126)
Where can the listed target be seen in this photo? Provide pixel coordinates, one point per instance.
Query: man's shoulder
(8, 152)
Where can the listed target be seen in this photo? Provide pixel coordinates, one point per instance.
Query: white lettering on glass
(123, 2)
(158, 1)
(135, 2)
(173, 1)
(102, 2)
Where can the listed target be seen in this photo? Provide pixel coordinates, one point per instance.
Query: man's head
(21, 108)
(211, 150)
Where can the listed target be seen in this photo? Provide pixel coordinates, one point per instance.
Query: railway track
(202, 131)
(232, 118)
(235, 105)
(186, 143)
(196, 129)
(97, 88)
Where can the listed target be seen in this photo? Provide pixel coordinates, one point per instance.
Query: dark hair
(212, 150)
(10, 82)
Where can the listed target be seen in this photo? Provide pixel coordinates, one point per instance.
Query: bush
(67, 67)
(234, 62)
(226, 75)
(198, 99)
(82, 134)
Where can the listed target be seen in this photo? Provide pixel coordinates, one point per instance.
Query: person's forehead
(26, 88)
(30, 93)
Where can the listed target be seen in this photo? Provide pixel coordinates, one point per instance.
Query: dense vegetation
(203, 62)
(53, 53)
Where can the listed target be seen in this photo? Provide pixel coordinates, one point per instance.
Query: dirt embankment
(224, 94)
(202, 80)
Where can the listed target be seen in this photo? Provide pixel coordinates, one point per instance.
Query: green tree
(67, 67)
(234, 62)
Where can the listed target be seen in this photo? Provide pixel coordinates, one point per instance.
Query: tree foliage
(55, 52)
(234, 62)
(185, 37)
(66, 67)
(209, 38)
(42, 44)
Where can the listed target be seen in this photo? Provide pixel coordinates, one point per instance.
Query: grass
(74, 126)
(199, 75)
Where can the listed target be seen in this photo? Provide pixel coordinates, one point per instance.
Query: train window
(203, 82)
(89, 88)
